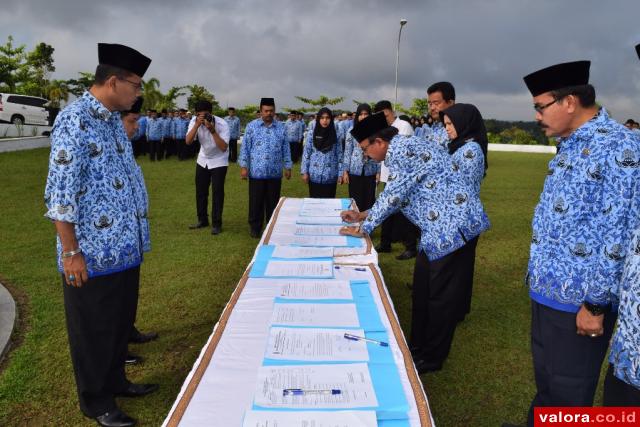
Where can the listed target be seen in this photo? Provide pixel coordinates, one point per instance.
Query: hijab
(469, 126)
(360, 109)
(324, 138)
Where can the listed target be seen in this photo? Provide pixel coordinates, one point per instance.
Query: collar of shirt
(95, 107)
(585, 132)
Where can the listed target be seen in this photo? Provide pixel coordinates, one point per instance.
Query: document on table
(310, 344)
(316, 289)
(320, 220)
(315, 211)
(318, 315)
(301, 252)
(353, 380)
(322, 203)
(323, 241)
(310, 419)
(299, 269)
(317, 230)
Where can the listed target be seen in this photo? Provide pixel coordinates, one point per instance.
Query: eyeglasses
(541, 108)
(137, 86)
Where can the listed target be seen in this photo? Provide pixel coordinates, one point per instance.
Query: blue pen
(302, 392)
(337, 267)
(357, 338)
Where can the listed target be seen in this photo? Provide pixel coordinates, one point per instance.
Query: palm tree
(57, 91)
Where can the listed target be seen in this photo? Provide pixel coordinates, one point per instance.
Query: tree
(80, 85)
(321, 101)
(419, 107)
(57, 91)
(200, 93)
(40, 64)
(13, 67)
(168, 100)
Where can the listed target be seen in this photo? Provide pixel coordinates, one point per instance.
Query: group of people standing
(584, 266)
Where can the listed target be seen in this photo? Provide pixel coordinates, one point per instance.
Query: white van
(23, 109)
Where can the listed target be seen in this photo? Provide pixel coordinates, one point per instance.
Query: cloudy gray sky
(244, 49)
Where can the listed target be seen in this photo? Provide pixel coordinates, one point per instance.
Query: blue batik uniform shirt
(470, 160)
(301, 127)
(587, 211)
(264, 150)
(625, 345)
(154, 129)
(167, 127)
(354, 160)
(234, 126)
(323, 168)
(142, 128)
(428, 188)
(180, 127)
(292, 131)
(436, 134)
(95, 184)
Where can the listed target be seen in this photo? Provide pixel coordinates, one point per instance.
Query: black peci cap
(638, 50)
(370, 125)
(121, 56)
(557, 77)
(267, 101)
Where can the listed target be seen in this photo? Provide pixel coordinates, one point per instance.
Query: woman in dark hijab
(360, 172)
(468, 149)
(322, 157)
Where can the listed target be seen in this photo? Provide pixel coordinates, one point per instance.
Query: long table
(221, 385)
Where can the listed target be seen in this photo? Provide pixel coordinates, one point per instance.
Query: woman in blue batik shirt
(322, 157)
(359, 171)
(468, 149)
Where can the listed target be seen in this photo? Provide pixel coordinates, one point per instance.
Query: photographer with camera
(211, 165)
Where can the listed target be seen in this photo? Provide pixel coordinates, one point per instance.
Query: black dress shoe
(383, 248)
(141, 338)
(133, 359)
(255, 234)
(137, 390)
(115, 418)
(198, 224)
(406, 255)
(423, 367)
(215, 230)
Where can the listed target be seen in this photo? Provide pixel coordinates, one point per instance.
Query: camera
(208, 117)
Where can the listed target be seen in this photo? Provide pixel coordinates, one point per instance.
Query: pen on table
(337, 267)
(303, 392)
(357, 338)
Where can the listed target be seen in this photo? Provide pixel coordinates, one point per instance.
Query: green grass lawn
(190, 274)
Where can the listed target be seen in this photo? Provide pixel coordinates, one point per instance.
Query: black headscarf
(324, 138)
(469, 126)
(360, 109)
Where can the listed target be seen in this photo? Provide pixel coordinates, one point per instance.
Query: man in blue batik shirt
(139, 140)
(180, 124)
(622, 383)
(292, 133)
(424, 184)
(264, 153)
(95, 197)
(582, 224)
(233, 122)
(441, 95)
(154, 135)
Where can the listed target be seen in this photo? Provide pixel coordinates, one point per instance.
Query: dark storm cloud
(245, 49)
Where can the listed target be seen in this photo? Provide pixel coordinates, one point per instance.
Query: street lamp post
(402, 24)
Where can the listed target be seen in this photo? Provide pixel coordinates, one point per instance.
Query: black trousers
(566, 365)
(169, 146)
(322, 191)
(398, 227)
(182, 148)
(139, 145)
(363, 190)
(215, 178)
(295, 151)
(233, 150)
(618, 392)
(155, 150)
(469, 270)
(99, 317)
(438, 292)
(263, 199)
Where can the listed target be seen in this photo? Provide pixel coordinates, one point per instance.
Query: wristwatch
(595, 309)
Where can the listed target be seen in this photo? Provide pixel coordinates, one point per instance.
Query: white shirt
(404, 128)
(210, 156)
